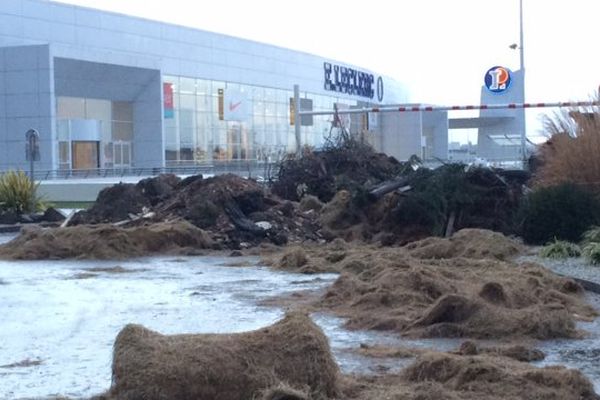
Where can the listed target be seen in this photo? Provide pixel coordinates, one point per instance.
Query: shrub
(592, 235)
(18, 194)
(591, 251)
(477, 197)
(560, 249)
(591, 245)
(571, 152)
(562, 212)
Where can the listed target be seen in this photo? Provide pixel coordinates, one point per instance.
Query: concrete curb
(590, 286)
(10, 228)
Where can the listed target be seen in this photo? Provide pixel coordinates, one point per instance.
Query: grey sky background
(440, 48)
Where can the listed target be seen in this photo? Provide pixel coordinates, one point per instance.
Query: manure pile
(104, 241)
(444, 376)
(465, 286)
(292, 360)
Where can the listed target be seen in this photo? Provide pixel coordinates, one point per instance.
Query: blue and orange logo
(498, 79)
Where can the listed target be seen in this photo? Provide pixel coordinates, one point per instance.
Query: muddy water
(64, 315)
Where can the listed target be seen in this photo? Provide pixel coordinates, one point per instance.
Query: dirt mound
(104, 241)
(113, 204)
(158, 188)
(470, 243)
(403, 200)
(236, 212)
(348, 164)
(288, 360)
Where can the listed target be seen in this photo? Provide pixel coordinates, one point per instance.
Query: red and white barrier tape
(571, 104)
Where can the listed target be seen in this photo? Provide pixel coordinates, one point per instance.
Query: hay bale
(241, 366)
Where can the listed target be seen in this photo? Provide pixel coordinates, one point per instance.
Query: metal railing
(247, 168)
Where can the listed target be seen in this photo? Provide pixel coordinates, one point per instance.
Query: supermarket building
(109, 91)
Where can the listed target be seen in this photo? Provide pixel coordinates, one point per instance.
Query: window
(70, 108)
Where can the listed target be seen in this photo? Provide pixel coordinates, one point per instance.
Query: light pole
(522, 68)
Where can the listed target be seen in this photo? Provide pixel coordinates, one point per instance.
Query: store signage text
(348, 80)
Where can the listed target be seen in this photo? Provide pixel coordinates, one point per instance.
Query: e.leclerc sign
(351, 81)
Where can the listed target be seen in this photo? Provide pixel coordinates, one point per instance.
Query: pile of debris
(376, 198)
(236, 212)
(346, 165)
(50, 217)
(345, 191)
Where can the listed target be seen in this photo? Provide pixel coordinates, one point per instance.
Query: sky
(441, 49)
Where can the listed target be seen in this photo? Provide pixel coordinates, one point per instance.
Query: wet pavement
(66, 314)
(60, 318)
(575, 267)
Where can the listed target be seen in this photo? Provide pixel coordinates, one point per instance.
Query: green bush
(592, 235)
(563, 212)
(591, 245)
(18, 194)
(591, 251)
(560, 249)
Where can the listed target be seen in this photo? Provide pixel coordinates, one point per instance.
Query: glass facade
(94, 133)
(197, 128)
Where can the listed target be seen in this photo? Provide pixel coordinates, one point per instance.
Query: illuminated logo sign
(498, 79)
(351, 81)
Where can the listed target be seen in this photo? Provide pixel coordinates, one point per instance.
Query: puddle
(582, 354)
(7, 237)
(70, 324)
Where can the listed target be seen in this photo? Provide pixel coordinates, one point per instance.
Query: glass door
(122, 154)
(85, 154)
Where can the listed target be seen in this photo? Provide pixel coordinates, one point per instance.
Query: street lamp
(519, 46)
(522, 68)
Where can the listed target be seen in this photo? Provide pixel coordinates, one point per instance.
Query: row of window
(195, 126)
(196, 129)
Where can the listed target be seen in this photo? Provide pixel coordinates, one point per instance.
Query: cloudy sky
(440, 48)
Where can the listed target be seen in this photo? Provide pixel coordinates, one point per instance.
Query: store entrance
(85, 154)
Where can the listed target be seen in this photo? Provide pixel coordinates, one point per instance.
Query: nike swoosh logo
(234, 106)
